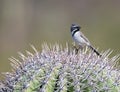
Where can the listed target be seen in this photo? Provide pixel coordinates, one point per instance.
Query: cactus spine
(61, 70)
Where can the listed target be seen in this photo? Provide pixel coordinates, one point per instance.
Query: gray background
(24, 22)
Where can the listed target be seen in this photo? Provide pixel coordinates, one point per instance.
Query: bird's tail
(95, 51)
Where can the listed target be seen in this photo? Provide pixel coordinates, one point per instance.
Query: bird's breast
(78, 39)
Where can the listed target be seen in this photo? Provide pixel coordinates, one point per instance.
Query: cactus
(58, 69)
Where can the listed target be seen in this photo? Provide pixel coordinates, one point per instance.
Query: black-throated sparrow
(80, 39)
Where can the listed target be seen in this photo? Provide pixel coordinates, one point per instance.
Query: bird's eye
(77, 28)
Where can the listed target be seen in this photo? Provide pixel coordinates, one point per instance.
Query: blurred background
(24, 22)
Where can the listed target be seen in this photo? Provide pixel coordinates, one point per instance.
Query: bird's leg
(75, 48)
(80, 47)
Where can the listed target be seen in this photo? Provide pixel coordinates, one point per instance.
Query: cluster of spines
(62, 70)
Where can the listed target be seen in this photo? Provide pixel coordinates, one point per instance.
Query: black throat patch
(74, 32)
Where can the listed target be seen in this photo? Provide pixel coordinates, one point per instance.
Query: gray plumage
(80, 39)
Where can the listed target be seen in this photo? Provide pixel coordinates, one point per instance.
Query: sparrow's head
(75, 27)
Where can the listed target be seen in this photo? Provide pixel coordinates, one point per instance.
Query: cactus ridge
(57, 69)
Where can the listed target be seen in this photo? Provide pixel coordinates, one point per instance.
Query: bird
(80, 39)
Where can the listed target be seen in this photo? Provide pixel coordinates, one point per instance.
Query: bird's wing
(82, 35)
